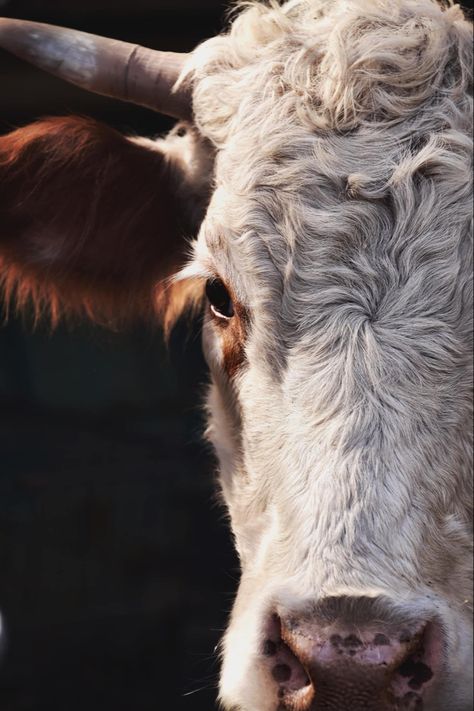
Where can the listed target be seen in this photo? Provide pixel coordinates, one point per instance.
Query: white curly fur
(341, 218)
(341, 221)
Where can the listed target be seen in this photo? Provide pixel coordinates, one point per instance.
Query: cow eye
(219, 299)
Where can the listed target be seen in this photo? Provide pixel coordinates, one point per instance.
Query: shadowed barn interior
(116, 564)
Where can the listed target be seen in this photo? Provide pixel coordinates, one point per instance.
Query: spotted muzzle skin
(362, 667)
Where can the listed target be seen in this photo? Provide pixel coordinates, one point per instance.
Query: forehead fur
(334, 65)
(344, 137)
(328, 114)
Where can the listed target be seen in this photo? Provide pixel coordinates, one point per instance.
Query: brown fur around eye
(233, 334)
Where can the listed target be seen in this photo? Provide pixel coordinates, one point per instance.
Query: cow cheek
(223, 429)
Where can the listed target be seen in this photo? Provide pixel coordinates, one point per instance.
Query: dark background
(116, 568)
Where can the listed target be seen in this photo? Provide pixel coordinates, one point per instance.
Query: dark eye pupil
(219, 298)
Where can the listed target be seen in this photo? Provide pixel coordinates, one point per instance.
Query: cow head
(325, 173)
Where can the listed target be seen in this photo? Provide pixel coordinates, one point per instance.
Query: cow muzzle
(333, 662)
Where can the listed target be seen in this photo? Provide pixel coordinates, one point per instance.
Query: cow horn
(105, 66)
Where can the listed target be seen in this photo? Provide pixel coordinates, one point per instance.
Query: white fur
(341, 219)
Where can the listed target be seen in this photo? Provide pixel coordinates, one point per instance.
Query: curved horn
(105, 66)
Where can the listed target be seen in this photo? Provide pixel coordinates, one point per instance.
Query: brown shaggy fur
(90, 222)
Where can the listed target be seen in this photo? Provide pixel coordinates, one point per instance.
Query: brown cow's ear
(92, 222)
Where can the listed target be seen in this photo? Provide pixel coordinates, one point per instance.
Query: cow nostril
(293, 686)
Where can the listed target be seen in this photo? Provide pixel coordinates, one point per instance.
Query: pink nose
(337, 665)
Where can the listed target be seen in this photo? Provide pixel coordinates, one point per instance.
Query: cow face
(333, 261)
(337, 331)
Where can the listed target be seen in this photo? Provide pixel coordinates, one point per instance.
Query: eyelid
(194, 270)
(218, 315)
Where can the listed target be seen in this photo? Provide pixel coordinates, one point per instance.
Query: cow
(314, 202)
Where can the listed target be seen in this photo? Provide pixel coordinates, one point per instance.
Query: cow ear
(93, 223)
